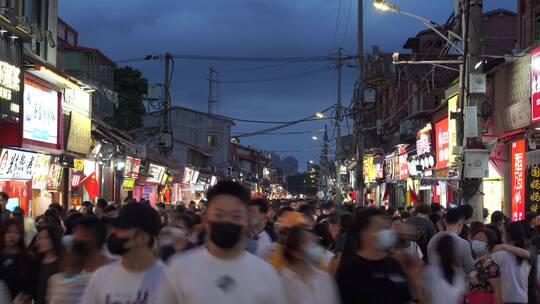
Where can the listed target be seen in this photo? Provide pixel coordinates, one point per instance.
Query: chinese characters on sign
(155, 173)
(535, 85)
(40, 172)
(533, 188)
(403, 163)
(9, 80)
(40, 119)
(423, 148)
(15, 164)
(76, 100)
(54, 179)
(518, 179)
(80, 129)
(442, 143)
(131, 168)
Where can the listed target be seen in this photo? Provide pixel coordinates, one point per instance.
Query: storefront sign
(78, 165)
(518, 179)
(80, 132)
(131, 169)
(442, 143)
(156, 173)
(9, 80)
(15, 164)
(54, 178)
(40, 119)
(75, 180)
(128, 184)
(369, 169)
(40, 171)
(533, 188)
(535, 85)
(424, 148)
(403, 164)
(76, 101)
(379, 168)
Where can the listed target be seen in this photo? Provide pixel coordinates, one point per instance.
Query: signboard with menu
(40, 114)
(518, 179)
(155, 173)
(16, 164)
(535, 85)
(424, 148)
(41, 170)
(442, 144)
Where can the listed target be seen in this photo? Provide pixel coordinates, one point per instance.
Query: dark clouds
(134, 28)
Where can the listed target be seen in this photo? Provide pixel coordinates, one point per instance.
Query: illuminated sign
(452, 128)
(403, 163)
(9, 80)
(80, 134)
(128, 184)
(518, 179)
(75, 180)
(156, 173)
(76, 101)
(54, 178)
(442, 143)
(131, 168)
(424, 149)
(40, 171)
(40, 118)
(535, 85)
(15, 164)
(78, 165)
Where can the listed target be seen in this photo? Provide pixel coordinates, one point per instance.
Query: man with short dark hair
(99, 209)
(454, 224)
(136, 277)
(468, 212)
(89, 235)
(497, 218)
(426, 229)
(222, 272)
(258, 221)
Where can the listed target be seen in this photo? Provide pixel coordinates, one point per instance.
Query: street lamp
(320, 115)
(311, 162)
(388, 7)
(314, 137)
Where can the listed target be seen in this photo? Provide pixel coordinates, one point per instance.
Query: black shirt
(366, 281)
(46, 271)
(15, 272)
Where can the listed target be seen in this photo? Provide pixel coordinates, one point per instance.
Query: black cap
(137, 215)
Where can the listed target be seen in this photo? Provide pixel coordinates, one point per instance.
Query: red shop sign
(518, 180)
(442, 144)
(535, 85)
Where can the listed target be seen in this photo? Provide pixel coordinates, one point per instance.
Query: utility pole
(211, 100)
(166, 143)
(339, 65)
(359, 113)
(472, 22)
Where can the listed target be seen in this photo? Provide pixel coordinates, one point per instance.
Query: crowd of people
(234, 249)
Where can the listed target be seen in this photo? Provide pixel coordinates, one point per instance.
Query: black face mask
(117, 245)
(81, 248)
(225, 234)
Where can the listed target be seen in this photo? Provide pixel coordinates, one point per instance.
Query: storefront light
(57, 77)
(120, 165)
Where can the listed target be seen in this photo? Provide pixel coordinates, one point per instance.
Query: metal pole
(211, 100)
(358, 109)
(338, 130)
(166, 133)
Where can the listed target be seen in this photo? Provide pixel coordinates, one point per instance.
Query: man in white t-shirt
(136, 277)
(222, 272)
(258, 221)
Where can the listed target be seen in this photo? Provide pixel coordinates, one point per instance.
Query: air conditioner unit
(476, 163)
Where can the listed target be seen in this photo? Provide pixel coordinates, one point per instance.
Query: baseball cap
(137, 215)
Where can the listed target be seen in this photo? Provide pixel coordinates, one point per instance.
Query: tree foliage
(131, 88)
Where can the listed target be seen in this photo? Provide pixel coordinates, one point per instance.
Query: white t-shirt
(263, 240)
(64, 289)
(319, 288)
(514, 277)
(198, 277)
(440, 291)
(112, 283)
(413, 250)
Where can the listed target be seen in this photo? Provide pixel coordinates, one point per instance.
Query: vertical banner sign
(535, 85)
(533, 188)
(518, 179)
(442, 142)
(403, 163)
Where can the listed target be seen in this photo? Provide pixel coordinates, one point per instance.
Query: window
(212, 140)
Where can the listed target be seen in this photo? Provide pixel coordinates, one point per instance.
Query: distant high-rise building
(289, 165)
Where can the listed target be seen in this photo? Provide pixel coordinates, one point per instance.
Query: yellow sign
(369, 169)
(78, 164)
(128, 184)
(9, 80)
(40, 171)
(452, 128)
(80, 138)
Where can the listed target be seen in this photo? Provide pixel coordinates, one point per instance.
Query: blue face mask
(478, 247)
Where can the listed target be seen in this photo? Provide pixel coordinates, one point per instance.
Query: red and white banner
(518, 179)
(442, 143)
(535, 85)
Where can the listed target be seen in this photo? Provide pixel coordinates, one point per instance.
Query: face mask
(117, 245)
(225, 234)
(81, 248)
(478, 247)
(313, 252)
(386, 239)
(255, 222)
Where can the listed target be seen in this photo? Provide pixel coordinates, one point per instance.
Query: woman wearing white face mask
(304, 282)
(367, 273)
(485, 277)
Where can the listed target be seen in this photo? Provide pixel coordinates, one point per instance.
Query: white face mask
(386, 239)
(313, 252)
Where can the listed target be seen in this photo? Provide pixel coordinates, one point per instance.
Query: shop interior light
(120, 165)
(13, 37)
(2, 31)
(57, 77)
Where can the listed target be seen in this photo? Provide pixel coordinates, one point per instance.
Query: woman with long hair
(485, 277)
(15, 260)
(514, 264)
(443, 283)
(303, 280)
(50, 249)
(367, 273)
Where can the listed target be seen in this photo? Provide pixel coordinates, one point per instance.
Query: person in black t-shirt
(367, 273)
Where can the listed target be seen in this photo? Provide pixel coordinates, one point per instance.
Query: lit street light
(314, 137)
(320, 115)
(311, 162)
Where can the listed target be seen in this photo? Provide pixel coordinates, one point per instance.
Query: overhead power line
(230, 58)
(296, 75)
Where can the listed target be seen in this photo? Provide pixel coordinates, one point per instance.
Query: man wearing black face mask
(222, 272)
(89, 235)
(135, 278)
